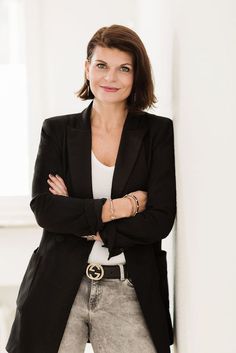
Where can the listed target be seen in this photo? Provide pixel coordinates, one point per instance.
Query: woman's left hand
(97, 237)
(57, 185)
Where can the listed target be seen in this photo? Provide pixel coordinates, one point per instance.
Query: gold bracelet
(133, 213)
(112, 209)
(133, 197)
(136, 201)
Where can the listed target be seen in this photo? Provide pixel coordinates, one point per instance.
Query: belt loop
(122, 272)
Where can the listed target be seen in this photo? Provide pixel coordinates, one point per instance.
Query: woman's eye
(124, 69)
(101, 66)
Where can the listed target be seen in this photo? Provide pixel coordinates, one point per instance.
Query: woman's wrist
(135, 203)
(119, 208)
(106, 211)
(116, 208)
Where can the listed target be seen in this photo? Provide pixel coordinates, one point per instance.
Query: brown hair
(123, 38)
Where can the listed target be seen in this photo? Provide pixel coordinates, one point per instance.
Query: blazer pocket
(28, 278)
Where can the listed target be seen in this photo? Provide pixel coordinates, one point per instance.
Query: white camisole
(101, 182)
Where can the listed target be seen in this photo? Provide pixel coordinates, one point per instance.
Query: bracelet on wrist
(137, 202)
(133, 197)
(112, 210)
(133, 211)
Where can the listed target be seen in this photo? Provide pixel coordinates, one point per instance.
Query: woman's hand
(97, 237)
(57, 185)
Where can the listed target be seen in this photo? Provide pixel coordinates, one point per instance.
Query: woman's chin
(110, 100)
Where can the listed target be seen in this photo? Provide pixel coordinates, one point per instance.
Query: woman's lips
(110, 89)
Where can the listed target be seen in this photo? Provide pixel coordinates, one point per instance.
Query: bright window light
(14, 147)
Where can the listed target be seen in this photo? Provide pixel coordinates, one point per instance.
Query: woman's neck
(108, 116)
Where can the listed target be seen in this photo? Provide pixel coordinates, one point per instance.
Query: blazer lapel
(130, 144)
(79, 142)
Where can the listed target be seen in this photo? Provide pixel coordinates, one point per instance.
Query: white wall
(155, 28)
(204, 76)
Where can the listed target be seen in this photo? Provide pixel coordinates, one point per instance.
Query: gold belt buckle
(94, 271)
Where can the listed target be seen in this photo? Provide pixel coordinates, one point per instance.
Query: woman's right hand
(57, 185)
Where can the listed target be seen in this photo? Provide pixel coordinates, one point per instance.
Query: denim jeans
(108, 313)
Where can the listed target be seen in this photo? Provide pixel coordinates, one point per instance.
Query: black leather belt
(97, 271)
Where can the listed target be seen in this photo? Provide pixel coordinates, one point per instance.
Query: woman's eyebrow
(126, 64)
(104, 62)
(101, 61)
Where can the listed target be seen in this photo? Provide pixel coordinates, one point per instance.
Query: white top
(101, 182)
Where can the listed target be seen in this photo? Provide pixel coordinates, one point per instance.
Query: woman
(104, 192)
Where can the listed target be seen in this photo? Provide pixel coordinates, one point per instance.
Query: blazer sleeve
(156, 221)
(56, 213)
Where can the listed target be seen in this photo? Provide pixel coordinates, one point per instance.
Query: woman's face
(110, 73)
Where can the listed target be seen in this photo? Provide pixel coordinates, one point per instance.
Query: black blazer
(145, 161)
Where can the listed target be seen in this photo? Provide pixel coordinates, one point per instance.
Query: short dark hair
(123, 38)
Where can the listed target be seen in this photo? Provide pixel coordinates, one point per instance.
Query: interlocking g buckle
(94, 271)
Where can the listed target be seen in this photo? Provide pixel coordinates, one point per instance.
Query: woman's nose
(110, 75)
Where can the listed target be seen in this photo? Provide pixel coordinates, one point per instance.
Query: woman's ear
(87, 64)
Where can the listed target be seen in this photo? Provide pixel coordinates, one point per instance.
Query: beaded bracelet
(136, 202)
(133, 213)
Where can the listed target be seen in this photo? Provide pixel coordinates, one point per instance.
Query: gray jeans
(108, 312)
